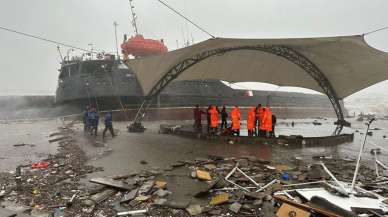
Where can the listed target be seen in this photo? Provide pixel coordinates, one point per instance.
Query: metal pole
(269, 184)
(359, 156)
(382, 165)
(344, 191)
(117, 48)
(376, 165)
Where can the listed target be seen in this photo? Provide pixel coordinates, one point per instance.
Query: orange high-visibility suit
(213, 117)
(235, 116)
(266, 122)
(251, 119)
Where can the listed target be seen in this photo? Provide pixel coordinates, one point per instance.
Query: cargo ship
(104, 82)
(108, 84)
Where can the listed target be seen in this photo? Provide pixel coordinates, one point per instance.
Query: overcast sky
(29, 66)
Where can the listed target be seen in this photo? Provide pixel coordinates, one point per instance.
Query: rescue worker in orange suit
(198, 118)
(235, 116)
(266, 122)
(251, 121)
(213, 120)
(261, 118)
(258, 114)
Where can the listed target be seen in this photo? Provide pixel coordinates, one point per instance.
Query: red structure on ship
(138, 46)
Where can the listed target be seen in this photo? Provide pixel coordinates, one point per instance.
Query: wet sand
(123, 153)
(34, 136)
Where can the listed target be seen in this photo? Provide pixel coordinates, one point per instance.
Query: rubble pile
(212, 186)
(50, 183)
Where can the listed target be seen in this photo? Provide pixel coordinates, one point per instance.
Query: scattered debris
(203, 175)
(112, 183)
(194, 209)
(219, 199)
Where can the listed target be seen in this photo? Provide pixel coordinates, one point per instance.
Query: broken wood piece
(99, 197)
(219, 199)
(203, 175)
(112, 183)
(160, 184)
(287, 210)
(129, 196)
(283, 199)
(58, 139)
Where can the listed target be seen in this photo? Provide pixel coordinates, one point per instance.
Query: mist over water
(370, 104)
(32, 107)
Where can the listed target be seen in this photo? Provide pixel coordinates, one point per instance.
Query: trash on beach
(112, 183)
(219, 199)
(203, 175)
(40, 165)
(133, 212)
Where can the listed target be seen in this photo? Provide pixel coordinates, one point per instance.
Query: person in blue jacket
(85, 119)
(93, 118)
(108, 124)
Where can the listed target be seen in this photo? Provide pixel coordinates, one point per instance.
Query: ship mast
(134, 17)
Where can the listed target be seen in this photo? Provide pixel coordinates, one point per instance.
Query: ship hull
(109, 85)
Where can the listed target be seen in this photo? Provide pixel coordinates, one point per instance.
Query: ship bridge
(335, 66)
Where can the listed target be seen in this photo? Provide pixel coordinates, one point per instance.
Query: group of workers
(260, 120)
(91, 120)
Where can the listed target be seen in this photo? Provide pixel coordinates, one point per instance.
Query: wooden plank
(99, 197)
(112, 183)
(287, 210)
(305, 207)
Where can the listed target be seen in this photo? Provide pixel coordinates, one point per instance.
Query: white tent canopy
(348, 63)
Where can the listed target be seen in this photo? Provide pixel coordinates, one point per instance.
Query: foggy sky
(29, 66)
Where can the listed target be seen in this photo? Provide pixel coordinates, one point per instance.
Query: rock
(210, 166)
(216, 212)
(267, 197)
(118, 208)
(219, 199)
(258, 202)
(179, 164)
(268, 209)
(243, 163)
(99, 197)
(254, 195)
(146, 187)
(162, 193)
(235, 207)
(176, 205)
(142, 198)
(160, 184)
(194, 209)
(193, 174)
(160, 201)
(247, 207)
(203, 175)
(112, 183)
(129, 196)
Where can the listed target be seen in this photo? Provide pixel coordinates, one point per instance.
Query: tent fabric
(348, 63)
